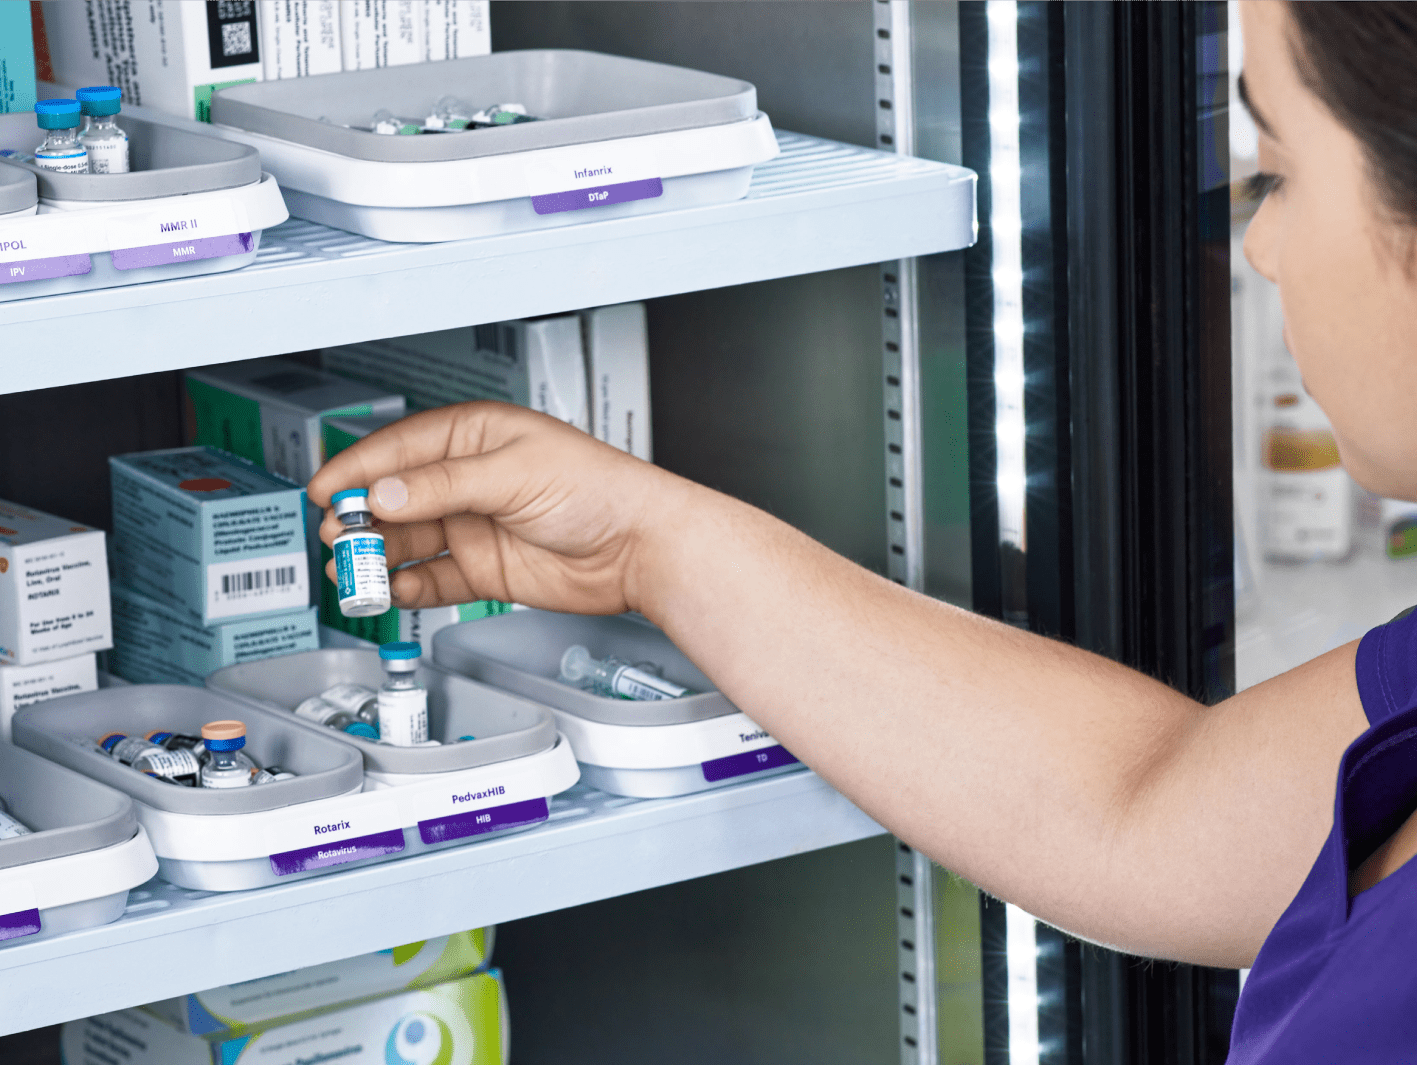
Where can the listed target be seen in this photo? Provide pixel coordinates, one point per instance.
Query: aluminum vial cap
(351, 501)
(400, 656)
(100, 100)
(57, 114)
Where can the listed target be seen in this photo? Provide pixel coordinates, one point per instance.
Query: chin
(1392, 477)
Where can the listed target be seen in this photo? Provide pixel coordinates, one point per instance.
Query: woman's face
(1345, 280)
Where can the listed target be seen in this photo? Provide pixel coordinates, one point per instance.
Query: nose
(1260, 242)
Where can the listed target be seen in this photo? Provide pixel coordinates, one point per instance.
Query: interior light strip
(1021, 951)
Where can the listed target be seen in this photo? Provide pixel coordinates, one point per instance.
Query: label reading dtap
(180, 233)
(592, 175)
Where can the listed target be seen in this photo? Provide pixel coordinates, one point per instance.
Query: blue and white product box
(209, 532)
(458, 1022)
(535, 362)
(22, 685)
(53, 588)
(154, 643)
(16, 59)
(617, 362)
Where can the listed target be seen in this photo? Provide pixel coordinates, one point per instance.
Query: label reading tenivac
(37, 249)
(592, 175)
(339, 837)
(181, 233)
(19, 910)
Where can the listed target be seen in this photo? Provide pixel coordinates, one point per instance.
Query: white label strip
(17, 895)
(176, 222)
(46, 236)
(298, 833)
(584, 166)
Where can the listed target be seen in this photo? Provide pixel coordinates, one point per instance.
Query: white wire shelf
(819, 206)
(172, 941)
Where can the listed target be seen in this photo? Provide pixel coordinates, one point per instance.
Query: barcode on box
(258, 585)
(255, 582)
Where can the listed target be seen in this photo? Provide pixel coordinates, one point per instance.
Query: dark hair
(1360, 59)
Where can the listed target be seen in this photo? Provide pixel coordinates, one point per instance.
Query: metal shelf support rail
(905, 505)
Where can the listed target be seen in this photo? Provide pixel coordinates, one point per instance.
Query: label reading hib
(258, 585)
(202, 230)
(19, 909)
(631, 683)
(360, 569)
(592, 175)
(403, 717)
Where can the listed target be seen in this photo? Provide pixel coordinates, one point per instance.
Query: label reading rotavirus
(360, 568)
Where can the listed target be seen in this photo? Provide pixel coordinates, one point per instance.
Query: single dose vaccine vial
(105, 142)
(360, 568)
(61, 150)
(403, 702)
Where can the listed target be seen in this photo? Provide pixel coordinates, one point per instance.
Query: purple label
(324, 855)
(737, 765)
(44, 269)
(580, 199)
(22, 923)
(182, 251)
(489, 819)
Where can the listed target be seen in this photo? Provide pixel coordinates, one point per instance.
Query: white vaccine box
(53, 588)
(270, 410)
(169, 55)
(209, 533)
(154, 643)
(382, 33)
(21, 686)
(414, 626)
(534, 362)
(299, 38)
(458, 1022)
(617, 365)
(17, 87)
(456, 29)
(233, 1010)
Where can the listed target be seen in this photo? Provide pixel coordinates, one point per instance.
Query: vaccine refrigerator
(1016, 397)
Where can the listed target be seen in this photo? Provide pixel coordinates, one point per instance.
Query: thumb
(497, 483)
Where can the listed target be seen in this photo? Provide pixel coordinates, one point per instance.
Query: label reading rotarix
(360, 568)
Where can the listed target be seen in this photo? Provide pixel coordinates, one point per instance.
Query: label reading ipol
(360, 568)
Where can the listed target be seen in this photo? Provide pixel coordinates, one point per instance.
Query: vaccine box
(16, 59)
(299, 38)
(154, 643)
(208, 532)
(53, 588)
(226, 1012)
(22, 685)
(617, 365)
(458, 1022)
(415, 626)
(536, 362)
(169, 55)
(456, 29)
(270, 410)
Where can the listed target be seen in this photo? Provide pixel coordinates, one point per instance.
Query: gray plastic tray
(18, 189)
(65, 730)
(506, 726)
(581, 97)
(164, 160)
(67, 812)
(521, 652)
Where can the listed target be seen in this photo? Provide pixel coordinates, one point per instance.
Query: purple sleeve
(1387, 667)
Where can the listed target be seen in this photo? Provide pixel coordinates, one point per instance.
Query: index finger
(417, 440)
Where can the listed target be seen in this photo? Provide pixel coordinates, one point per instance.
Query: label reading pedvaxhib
(592, 175)
(201, 230)
(19, 910)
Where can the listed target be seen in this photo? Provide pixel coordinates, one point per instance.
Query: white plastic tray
(641, 749)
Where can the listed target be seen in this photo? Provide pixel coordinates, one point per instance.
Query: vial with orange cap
(226, 766)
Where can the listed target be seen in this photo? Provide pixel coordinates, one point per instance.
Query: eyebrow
(1255, 113)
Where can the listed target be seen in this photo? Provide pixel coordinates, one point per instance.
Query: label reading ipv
(181, 233)
(371, 832)
(19, 910)
(37, 248)
(592, 175)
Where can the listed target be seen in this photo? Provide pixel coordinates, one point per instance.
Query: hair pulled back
(1360, 59)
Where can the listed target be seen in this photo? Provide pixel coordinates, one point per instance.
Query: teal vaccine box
(201, 529)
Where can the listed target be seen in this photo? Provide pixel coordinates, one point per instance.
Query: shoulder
(1386, 667)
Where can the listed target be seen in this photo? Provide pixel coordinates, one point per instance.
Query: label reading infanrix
(592, 175)
(181, 233)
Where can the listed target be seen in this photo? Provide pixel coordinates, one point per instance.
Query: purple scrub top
(1336, 981)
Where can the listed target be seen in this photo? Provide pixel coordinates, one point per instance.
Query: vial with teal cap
(102, 138)
(61, 150)
(403, 702)
(361, 571)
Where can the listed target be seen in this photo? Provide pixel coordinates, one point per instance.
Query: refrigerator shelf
(820, 205)
(171, 941)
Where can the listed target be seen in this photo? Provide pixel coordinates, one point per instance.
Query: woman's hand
(527, 508)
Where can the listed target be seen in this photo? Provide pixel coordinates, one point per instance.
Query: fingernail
(390, 493)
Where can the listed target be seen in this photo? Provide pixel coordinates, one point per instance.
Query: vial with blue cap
(403, 702)
(226, 766)
(102, 138)
(61, 151)
(361, 571)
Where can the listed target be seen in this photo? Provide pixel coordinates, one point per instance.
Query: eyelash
(1260, 185)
